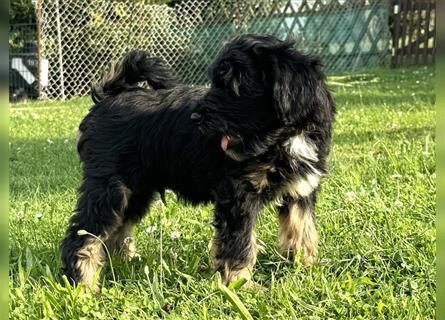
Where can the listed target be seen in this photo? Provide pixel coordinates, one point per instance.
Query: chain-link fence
(23, 61)
(79, 38)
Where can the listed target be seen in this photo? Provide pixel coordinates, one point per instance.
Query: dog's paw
(92, 290)
(229, 276)
(129, 251)
(300, 254)
(130, 256)
(309, 259)
(287, 253)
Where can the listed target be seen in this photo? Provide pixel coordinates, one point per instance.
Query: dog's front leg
(298, 229)
(234, 245)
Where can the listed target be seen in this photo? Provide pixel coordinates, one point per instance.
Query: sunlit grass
(376, 218)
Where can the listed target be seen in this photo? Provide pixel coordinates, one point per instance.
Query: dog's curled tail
(136, 66)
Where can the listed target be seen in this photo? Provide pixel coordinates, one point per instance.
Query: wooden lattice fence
(347, 35)
(413, 28)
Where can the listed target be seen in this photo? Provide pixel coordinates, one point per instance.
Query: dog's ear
(296, 79)
(226, 76)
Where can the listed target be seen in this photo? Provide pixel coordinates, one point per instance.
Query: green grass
(376, 218)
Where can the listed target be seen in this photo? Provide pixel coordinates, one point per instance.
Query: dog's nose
(195, 116)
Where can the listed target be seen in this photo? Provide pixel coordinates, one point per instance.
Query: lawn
(376, 218)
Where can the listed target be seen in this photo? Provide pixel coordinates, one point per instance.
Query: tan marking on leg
(122, 242)
(297, 230)
(117, 241)
(258, 176)
(232, 273)
(90, 258)
(259, 180)
(310, 241)
(129, 250)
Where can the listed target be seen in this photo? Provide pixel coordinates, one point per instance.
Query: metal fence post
(59, 40)
(39, 48)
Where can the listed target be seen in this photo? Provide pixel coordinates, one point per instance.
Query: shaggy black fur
(261, 133)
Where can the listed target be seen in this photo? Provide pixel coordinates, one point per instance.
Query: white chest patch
(303, 150)
(303, 186)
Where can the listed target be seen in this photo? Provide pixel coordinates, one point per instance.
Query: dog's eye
(220, 74)
(224, 69)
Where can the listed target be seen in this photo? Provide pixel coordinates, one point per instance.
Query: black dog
(261, 133)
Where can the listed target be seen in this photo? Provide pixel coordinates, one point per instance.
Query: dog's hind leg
(234, 245)
(298, 229)
(99, 213)
(121, 241)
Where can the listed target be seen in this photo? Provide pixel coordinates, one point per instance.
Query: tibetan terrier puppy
(261, 133)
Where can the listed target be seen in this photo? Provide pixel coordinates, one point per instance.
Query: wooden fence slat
(418, 31)
(427, 31)
(433, 33)
(400, 35)
(412, 38)
(404, 29)
(396, 30)
(410, 31)
(429, 51)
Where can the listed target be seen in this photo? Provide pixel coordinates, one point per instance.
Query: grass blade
(235, 301)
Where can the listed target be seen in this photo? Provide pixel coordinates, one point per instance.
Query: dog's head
(260, 84)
